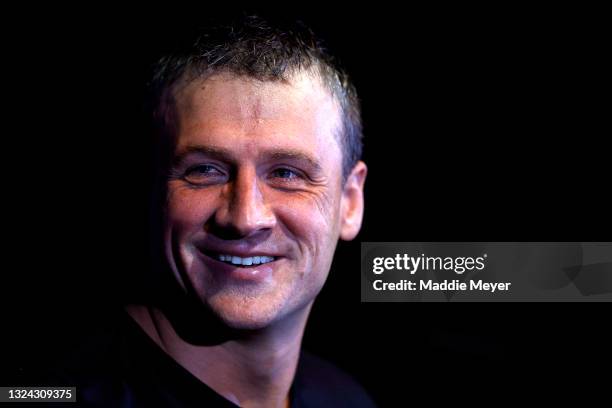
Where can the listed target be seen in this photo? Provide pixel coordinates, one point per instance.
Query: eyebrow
(227, 156)
(214, 152)
(293, 155)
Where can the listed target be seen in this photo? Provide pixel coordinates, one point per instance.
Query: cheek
(188, 208)
(312, 222)
(313, 228)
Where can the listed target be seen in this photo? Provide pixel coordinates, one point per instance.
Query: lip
(241, 251)
(245, 273)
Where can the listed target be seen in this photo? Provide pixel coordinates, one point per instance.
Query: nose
(244, 211)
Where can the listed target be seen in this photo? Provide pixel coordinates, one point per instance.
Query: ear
(351, 206)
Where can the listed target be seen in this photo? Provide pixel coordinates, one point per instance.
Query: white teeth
(253, 260)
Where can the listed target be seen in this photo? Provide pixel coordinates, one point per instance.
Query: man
(259, 146)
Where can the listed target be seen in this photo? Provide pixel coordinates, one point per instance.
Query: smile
(252, 260)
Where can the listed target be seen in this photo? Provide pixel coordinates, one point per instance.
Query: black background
(480, 124)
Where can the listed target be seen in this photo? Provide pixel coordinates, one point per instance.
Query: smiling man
(258, 158)
(256, 200)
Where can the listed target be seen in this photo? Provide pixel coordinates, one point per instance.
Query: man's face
(256, 202)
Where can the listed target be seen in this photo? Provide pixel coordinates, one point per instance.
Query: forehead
(249, 113)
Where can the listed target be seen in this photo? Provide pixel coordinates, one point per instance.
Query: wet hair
(250, 46)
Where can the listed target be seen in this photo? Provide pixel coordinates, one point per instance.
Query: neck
(253, 369)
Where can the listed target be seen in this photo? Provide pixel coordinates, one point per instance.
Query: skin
(256, 170)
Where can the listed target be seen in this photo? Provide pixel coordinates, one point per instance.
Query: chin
(245, 313)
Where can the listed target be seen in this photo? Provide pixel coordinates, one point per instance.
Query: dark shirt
(125, 368)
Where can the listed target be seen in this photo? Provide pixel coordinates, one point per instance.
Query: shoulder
(102, 365)
(319, 383)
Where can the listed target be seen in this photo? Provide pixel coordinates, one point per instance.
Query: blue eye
(286, 174)
(202, 168)
(202, 173)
